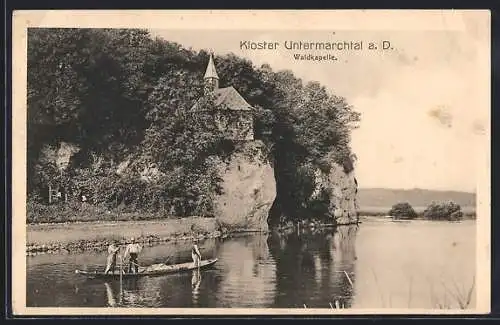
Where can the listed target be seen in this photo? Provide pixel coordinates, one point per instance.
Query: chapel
(232, 112)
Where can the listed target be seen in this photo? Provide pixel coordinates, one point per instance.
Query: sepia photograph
(248, 162)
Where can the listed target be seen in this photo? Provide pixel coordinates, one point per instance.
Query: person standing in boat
(113, 250)
(132, 251)
(195, 254)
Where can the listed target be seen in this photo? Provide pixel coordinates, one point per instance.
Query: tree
(85, 86)
(402, 210)
(181, 142)
(443, 211)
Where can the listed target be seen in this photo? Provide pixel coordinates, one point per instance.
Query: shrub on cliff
(402, 210)
(443, 211)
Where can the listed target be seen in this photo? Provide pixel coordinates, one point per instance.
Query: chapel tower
(211, 79)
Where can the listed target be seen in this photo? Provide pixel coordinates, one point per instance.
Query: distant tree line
(123, 99)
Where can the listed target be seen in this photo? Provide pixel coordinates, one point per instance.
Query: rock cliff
(248, 188)
(342, 188)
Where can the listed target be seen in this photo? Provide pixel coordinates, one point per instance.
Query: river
(378, 264)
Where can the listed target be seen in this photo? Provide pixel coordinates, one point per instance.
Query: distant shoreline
(378, 211)
(417, 197)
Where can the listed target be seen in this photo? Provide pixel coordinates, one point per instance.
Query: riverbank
(79, 236)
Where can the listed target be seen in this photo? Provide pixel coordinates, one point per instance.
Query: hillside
(380, 197)
(116, 129)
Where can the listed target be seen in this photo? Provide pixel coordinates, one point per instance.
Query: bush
(443, 211)
(402, 210)
(37, 213)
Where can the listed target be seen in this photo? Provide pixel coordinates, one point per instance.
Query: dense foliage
(402, 210)
(122, 101)
(443, 211)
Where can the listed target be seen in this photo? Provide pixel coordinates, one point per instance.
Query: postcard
(212, 162)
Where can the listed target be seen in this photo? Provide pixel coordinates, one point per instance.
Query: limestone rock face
(60, 155)
(343, 192)
(248, 187)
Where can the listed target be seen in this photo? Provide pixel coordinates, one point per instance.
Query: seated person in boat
(113, 250)
(132, 251)
(195, 254)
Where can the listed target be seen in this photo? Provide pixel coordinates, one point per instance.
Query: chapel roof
(229, 98)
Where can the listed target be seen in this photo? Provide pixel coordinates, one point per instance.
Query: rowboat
(151, 270)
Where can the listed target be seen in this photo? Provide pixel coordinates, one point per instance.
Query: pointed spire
(211, 72)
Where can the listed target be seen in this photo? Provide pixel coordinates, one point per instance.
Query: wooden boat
(152, 270)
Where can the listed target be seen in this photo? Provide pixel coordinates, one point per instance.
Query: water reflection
(145, 292)
(195, 286)
(258, 271)
(344, 251)
(247, 273)
(312, 267)
(110, 295)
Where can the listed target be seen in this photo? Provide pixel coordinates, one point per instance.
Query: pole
(50, 194)
(121, 279)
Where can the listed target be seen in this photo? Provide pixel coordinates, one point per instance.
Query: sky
(422, 103)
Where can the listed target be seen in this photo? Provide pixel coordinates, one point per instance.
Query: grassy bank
(469, 212)
(97, 235)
